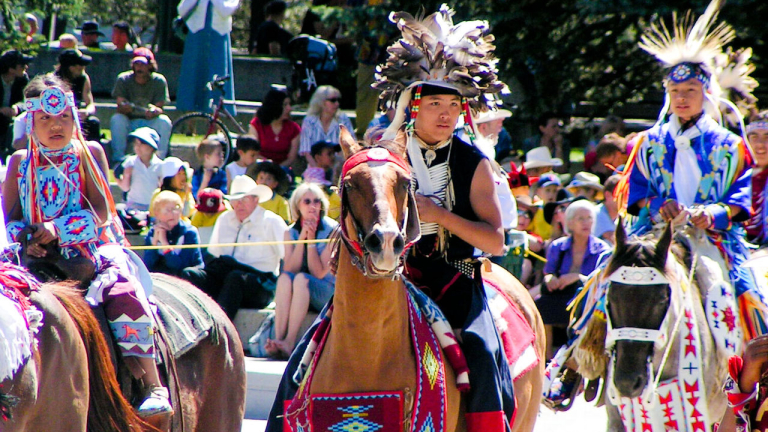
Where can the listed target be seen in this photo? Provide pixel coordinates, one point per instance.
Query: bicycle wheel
(191, 129)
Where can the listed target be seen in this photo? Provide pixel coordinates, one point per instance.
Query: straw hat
(584, 179)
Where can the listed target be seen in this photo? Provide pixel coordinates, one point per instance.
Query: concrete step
(247, 321)
(262, 383)
(254, 425)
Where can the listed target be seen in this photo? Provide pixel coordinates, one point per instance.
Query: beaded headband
(638, 276)
(753, 126)
(52, 100)
(685, 71)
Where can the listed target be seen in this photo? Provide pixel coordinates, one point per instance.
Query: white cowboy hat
(492, 115)
(243, 186)
(540, 157)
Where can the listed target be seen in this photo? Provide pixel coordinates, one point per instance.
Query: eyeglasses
(308, 201)
(524, 214)
(334, 100)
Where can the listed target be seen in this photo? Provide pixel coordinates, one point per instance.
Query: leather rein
(410, 229)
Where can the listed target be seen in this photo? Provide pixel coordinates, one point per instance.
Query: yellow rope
(532, 254)
(267, 243)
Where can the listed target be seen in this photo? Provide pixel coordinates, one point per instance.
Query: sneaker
(155, 403)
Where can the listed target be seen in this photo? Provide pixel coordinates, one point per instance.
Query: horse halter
(410, 230)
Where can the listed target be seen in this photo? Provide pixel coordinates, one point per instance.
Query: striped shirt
(312, 131)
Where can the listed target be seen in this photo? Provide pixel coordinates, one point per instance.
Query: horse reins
(360, 256)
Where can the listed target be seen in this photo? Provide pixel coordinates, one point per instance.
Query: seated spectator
(270, 174)
(586, 185)
(611, 125)
(121, 36)
(554, 214)
(607, 213)
(248, 152)
(13, 73)
(90, 34)
(210, 173)
(176, 177)
(317, 176)
(271, 38)
(570, 260)
(550, 136)
(67, 41)
(71, 69)
(539, 161)
(322, 120)
(272, 126)
(306, 281)
(210, 206)
(141, 94)
(613, 151)
(170, 229)
(324, 155)
(141, 172)
(546, 189)
(243, 276)
(525, 211)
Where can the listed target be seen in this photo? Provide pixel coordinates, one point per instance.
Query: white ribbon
(687, 174)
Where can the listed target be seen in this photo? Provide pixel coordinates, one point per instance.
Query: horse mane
(108, 410)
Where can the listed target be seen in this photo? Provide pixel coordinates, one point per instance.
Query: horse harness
(410, 229)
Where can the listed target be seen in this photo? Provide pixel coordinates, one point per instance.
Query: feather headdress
(732, 71)
(435, 51)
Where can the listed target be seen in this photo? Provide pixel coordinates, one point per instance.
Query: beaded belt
(467, 267)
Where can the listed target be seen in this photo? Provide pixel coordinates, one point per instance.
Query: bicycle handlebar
(217, 82)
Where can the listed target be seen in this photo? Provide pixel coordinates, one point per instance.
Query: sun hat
(243, 186)
(211, 201)
(315, 175)
(585, 179)
(525, 202)
(148, 136)
(491, 115)
(172, 165)
(540, 157)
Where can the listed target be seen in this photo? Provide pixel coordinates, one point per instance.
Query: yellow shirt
(540, 226)
(334, 206)
(279, 206)
(202, 219)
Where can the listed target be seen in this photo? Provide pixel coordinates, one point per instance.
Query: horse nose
(630, 385)
(380, 240)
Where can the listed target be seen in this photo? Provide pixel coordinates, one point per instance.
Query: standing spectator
(13, 74)
(273, 128)
(243, 276)
(210, 174)
(90, 34)
(550, 136)
(170, 229)
(757, 133)
(306, 281)
(141, 94)
(607, 212)
(271, 38)
(71, 69)
(207, 52)
(322, 120)
(141, 172)
(122, 34)
(248, 152)
(269, 174)
(570, 260)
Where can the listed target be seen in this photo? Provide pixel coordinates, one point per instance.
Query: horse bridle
(410, 229)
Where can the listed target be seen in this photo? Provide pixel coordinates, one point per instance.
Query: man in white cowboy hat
(587, 185)
(490, 124)
(539, 161)
(243, 276)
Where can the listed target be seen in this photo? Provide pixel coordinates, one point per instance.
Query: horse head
(379, 217)
(637, 306)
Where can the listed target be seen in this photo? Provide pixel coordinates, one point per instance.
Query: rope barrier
(532, 254)
(267, 243)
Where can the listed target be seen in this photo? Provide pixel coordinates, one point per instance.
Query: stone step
(263, 379)
(247, 321)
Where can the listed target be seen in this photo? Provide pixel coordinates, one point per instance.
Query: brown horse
(369, 336)
(69, 383)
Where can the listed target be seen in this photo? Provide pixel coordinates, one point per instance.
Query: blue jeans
(121, 126)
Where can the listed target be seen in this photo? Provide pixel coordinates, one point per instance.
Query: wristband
(721, 216)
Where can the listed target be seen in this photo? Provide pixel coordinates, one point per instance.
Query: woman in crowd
(570, 260)
(305, 282)
(274, 130)
(322, 120)
(757, 133)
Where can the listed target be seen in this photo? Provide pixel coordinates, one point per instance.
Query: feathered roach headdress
(433, 51)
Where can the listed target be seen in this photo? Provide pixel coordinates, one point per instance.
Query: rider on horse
(57, 193)
(455, 195)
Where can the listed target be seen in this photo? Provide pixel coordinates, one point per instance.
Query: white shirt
(222, 14)
(261, 226)
(234, 170)
(144, 180)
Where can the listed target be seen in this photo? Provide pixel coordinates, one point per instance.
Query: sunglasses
(334, 100)
(308, 201)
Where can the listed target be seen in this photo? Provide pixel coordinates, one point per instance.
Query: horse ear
(400, 142)
(662, 247)
(621, 237)
(348, 144)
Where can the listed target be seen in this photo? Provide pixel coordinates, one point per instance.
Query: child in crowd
(248, 152)
(604, 227)
(141, 172)
(210, 174)
(210, 206)
(176, 176)
(324, 155)
(586, 185)
(271, 174)
(546, 189)
(525, 211)
(169, 229)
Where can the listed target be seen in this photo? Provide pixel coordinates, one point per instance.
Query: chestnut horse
(69, 382)
(369, 339)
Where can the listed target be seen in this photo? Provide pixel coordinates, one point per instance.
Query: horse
(69, 381)
(369, 337)
(664, 368)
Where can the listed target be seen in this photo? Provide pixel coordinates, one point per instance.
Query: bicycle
(196, 126)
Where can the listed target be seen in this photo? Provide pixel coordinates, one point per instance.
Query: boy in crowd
(546, 189)
(141, 172)
(607, 212)
(324, 154)
(210, 206)
(586, 185)
(248, 149)
(169, 229)
(210, 174)
(272, 175)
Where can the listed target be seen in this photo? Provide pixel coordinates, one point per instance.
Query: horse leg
(614, 417)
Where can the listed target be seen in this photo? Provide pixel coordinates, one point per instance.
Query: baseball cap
(143, 55)
(72, 57)
(321, 145)
(211, 201)
(149, 137)
(548, 179)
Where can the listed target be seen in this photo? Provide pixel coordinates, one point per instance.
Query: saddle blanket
(17, 318)
(516, 334)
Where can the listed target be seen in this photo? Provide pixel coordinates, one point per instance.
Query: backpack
(258, 341)
(313, 53)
